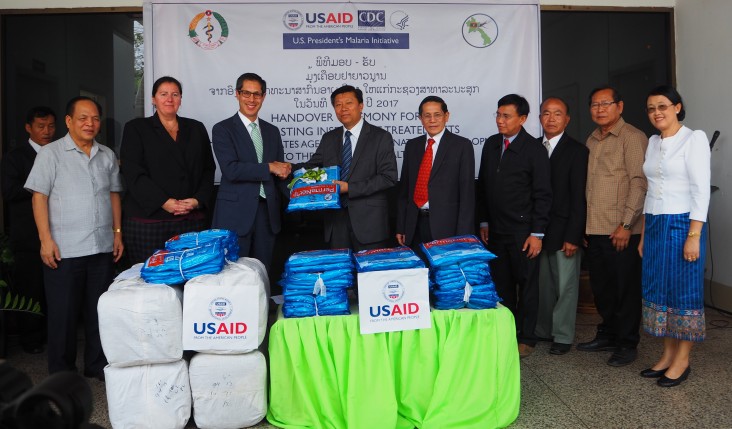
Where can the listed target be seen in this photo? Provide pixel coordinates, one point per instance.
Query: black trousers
(422, 234)
(344, 238)
(260, 241)
(615, 278)
(143, 239)
(72, 290)
(28, 282)
(517, 282)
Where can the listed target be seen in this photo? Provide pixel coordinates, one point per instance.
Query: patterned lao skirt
(673, 288)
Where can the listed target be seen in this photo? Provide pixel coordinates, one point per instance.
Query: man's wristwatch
(626, 226)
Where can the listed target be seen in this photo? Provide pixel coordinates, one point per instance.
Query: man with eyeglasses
(437, 186)
(559, 262)
(366, 156)
(251, 158)
(514, 198)
(616, 189)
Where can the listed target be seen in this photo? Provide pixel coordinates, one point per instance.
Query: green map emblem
(480, 30)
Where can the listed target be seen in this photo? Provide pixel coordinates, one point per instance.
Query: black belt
(262, 199)
(424, 212)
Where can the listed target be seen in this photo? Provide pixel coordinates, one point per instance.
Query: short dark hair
(38, 112)
(166, 79)
(253, 77)
(433, 99)
(344, 89)
(616, 94)
(71, 105)
(673, 95)
(522, 106)
(559, 99)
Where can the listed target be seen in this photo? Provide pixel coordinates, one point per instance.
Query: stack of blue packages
(313, 189)
(189, 240)
(174, 267)
(396, 258)
(315, 283)
(460, 273)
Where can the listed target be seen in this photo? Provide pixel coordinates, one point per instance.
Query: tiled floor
(577, 390)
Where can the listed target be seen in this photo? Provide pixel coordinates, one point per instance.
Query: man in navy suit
(514, 198)
(366, 156)
(28, 269)
(251, 158)
(559, 262)
(437, 185)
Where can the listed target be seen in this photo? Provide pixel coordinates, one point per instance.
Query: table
(462, 373)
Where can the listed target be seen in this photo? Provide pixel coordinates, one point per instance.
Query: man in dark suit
(365, 154)
(251, 158)
(514, 197)
(559, 262)
(40, 124)
(437, 185)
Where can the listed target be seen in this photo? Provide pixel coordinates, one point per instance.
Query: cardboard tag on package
(394, 300)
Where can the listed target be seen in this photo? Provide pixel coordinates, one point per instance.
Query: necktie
(346, 157)
(423, 177)
(259, 149)
(506, 142)
(548, 146)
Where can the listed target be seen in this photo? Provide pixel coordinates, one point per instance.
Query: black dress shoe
(559, 348)
(652, 373)
(597, 345)
(671, 382)
(622, 356)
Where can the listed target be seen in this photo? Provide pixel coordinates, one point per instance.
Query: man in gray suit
(365, 154)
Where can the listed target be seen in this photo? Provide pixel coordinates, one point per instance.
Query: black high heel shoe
(671, 382)
(652, 373)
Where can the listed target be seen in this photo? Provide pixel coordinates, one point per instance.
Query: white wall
(703, 64)
(42, 4)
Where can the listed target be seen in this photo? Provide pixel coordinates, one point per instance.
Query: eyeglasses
(603, 104)
(661, 108)
(504, 116)
(246, 94)
(429, 117)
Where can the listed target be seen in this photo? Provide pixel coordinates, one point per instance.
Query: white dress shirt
(679, 174)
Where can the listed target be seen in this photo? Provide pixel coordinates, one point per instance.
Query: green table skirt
(462, 373)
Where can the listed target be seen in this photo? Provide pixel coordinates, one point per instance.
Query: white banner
(470, 54)
(394, 300)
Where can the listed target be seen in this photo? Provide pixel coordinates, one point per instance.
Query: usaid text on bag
(394, 300)
(220, 319)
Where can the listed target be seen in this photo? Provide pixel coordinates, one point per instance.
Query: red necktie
(423, 177)
(506, 142)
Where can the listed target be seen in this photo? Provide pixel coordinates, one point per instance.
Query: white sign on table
(394, 300)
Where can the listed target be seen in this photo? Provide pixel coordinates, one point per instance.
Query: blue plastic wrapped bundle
(332, 304)
(314, 283)
(173, 267)
(396, 258)
(476, 297)
(228, 238)
(454, 277)
(319, 261)
(313, 189)
(450, 251)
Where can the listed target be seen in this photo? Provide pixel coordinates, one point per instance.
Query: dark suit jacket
(451, 188)
(514, 191)
(373, 172)
(155, 167)
(241, 174)
(16, 166)
(569, 205)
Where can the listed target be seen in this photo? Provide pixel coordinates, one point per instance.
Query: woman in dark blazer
(168, 171)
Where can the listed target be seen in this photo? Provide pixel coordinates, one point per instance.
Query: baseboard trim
(718, 295)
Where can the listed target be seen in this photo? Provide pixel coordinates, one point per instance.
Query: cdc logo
(371, 18)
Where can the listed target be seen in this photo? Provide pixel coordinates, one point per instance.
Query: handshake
(280, 169)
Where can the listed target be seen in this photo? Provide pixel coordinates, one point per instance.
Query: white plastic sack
(140, 323)
(229, 391)
(226, 313)
(148, 396)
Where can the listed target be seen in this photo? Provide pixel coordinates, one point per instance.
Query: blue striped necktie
(346, 157)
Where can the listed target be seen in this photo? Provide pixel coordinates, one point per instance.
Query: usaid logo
(393, 291)
(371, 18)
(220, 308)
